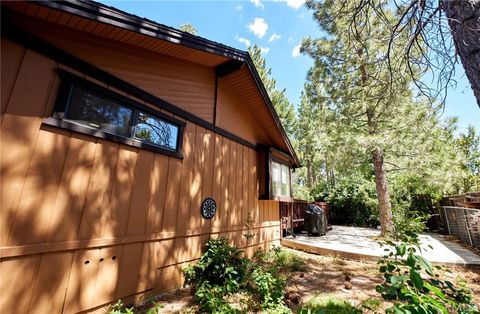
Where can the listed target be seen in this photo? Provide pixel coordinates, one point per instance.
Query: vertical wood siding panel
(157, 194)
(186, 177)
(232, 172)
(108, 275)
(225, 179)
(208, 175)
(197, 181)
(165, 249)
(70, 199)
(252, 185)
(261, 208)
(97, 202)
(147, 271)
(239, 186)
(51, 282)
(120, 199)
(217, 181)
(129, 266)
(171, 200)
(137, 218)
(37, 199)
(12, 56)
(82, 280)
(19, 129)
(245, 187)
(15, 284)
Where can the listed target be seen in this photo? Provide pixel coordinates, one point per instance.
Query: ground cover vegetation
(286, 281)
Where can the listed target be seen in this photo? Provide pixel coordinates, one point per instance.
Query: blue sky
(278, 27)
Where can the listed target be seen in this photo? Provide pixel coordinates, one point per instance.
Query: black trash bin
(315, 220)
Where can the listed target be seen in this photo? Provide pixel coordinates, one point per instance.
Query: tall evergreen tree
(283, 106)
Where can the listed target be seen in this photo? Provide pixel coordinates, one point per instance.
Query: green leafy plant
(220, 265)
(119, 308)
(415, 286)
(269, 286)
(249, 223)
(156, 308)
(221, 274)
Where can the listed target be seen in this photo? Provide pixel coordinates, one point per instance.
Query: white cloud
(239, 8)
(257, 3)
(292, 3)
(274, 37)
(258, 27)
(290, 40)
(264, 50)
(244, 41)
(296, 51)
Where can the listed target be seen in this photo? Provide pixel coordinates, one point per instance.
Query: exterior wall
(234, 117)
(187, 85)
(85, 221)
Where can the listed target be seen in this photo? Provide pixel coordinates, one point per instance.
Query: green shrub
(412, 283)
(352, 201)
(408, 222)
(269, 286)
(119, 308)
(221, 273)
(220, 265)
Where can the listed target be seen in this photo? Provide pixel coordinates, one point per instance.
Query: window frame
(289, 183)
(68, 80)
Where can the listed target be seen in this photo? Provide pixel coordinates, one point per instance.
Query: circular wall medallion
(208, 208)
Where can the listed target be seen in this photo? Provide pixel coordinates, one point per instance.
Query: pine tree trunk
(309, 174)
(464, 20)
(385, 207)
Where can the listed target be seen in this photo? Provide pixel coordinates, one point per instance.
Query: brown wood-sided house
(114, 131)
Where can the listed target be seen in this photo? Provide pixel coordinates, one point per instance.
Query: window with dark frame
(280, 179)
(85, 107)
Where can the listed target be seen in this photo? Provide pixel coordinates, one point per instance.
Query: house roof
(236, 65)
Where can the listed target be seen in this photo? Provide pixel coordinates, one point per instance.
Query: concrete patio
(360, 243)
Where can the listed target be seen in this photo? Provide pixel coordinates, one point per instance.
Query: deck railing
(462, 222)
(298, 212)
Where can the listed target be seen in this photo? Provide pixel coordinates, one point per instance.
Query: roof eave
(118, 18)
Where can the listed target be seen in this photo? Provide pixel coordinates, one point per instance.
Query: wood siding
(187, 85)
(85, 221)
(234, 117)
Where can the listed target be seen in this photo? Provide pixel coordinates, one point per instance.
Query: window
(88, 108)
(280, 180)
(156, 131)
(101, 113)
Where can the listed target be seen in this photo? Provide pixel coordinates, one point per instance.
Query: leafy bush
(408, 222)
(221, 273)
(220, 265)
(120, 308)
(352, 201)
(412, 283)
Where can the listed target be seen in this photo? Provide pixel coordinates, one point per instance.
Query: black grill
(315, 220)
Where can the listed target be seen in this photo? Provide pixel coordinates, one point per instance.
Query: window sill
(50, 121)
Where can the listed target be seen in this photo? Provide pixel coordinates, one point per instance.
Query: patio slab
(360, 243)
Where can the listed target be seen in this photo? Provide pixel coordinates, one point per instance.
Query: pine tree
(283, 106)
